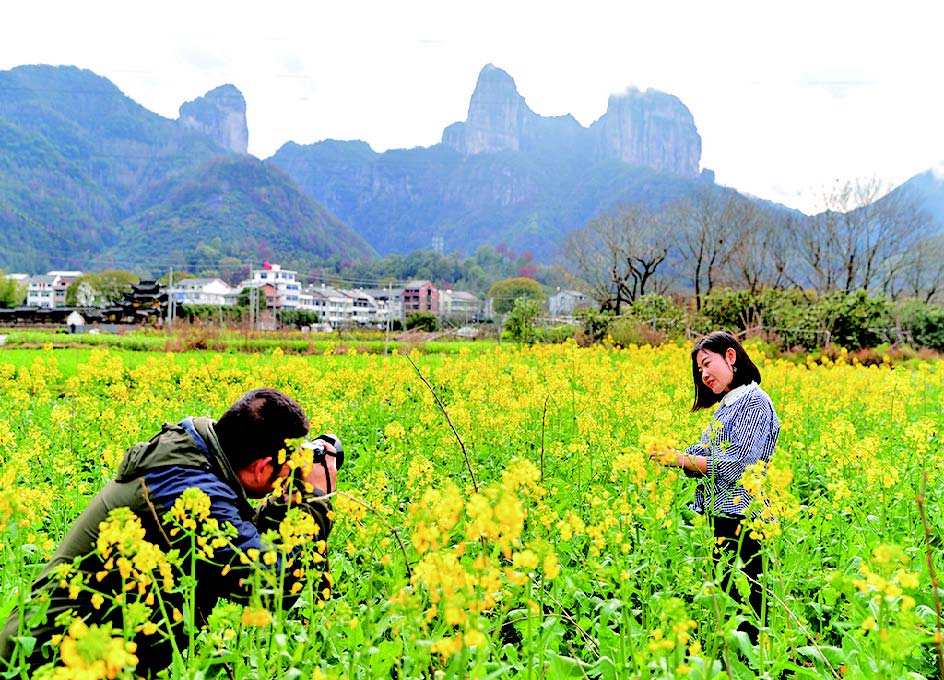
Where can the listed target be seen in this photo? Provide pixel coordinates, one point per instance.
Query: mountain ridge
(505, 174)
(80, 162)
(89, 175)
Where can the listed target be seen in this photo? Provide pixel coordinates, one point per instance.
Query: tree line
(862, 240)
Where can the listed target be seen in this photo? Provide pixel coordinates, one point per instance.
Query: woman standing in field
(743, 431)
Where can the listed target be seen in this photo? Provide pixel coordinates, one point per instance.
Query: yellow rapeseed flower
(93, 653)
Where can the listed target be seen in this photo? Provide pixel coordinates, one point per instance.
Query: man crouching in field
(149, 548)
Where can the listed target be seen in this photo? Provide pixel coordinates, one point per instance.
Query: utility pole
(387, 324)
(252, 301)
(170, 298)
(253, 295)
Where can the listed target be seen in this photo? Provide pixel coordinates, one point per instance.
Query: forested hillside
(90, 179)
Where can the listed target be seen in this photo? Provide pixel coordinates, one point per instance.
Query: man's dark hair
(258, 424)
(719, 342)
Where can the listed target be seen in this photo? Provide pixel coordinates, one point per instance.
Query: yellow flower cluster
(769, 486)
(23, 512)
(886, 576)
(122, 547)
(297, 529)
(260, 617)
(460, 585)
(93, 653)
(190, 514)
(675, 628)
(434, 516)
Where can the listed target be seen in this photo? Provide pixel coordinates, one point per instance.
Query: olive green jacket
(150, 478)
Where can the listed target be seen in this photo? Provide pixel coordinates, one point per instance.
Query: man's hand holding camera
(327, 457)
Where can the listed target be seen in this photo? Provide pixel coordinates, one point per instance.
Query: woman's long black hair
(746, 371)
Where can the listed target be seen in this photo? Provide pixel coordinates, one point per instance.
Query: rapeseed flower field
(498, 516)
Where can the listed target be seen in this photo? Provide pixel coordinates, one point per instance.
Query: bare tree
(760, 253)
(592, 254)
(782, 250)
(707, 227)
(619, 255)
(863, 239)
(919, 272)
(650, 249)
(859, 237)
(816, 242)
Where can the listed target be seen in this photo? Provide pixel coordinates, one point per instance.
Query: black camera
(319, 452)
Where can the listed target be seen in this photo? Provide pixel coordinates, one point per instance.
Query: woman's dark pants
(748, 549)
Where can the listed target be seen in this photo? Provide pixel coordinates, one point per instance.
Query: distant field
(231, 341)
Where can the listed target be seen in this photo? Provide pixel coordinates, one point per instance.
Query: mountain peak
(492, 74)
(498, 116)
(652, 129)
(221, 115)
(649, 129)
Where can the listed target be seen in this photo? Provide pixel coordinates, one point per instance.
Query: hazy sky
(788, 97)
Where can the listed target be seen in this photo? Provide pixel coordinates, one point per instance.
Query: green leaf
(563, 666)
(745, 646)
(607, 609)
(28, 643)
(832, 655)
(385, 655)
(551, 633)
(604, 668)
(499, 671)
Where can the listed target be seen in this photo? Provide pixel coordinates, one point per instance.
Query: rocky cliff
(399, 200)
(651, 129)
(644, 129)
(221, 115)
(505, 174)
(497, 118)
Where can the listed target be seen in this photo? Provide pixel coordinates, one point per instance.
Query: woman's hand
(666, 457)
(672, 458)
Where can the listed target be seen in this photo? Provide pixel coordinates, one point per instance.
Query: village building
(40, 292)
(459, 304)
(49, 291)
(566, 302)
(332, 305)
(203, 291)
(283, 281)
(389, 300)
(365, 309)
(420, 296)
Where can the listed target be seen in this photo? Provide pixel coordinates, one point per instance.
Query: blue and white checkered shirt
(743, 430)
